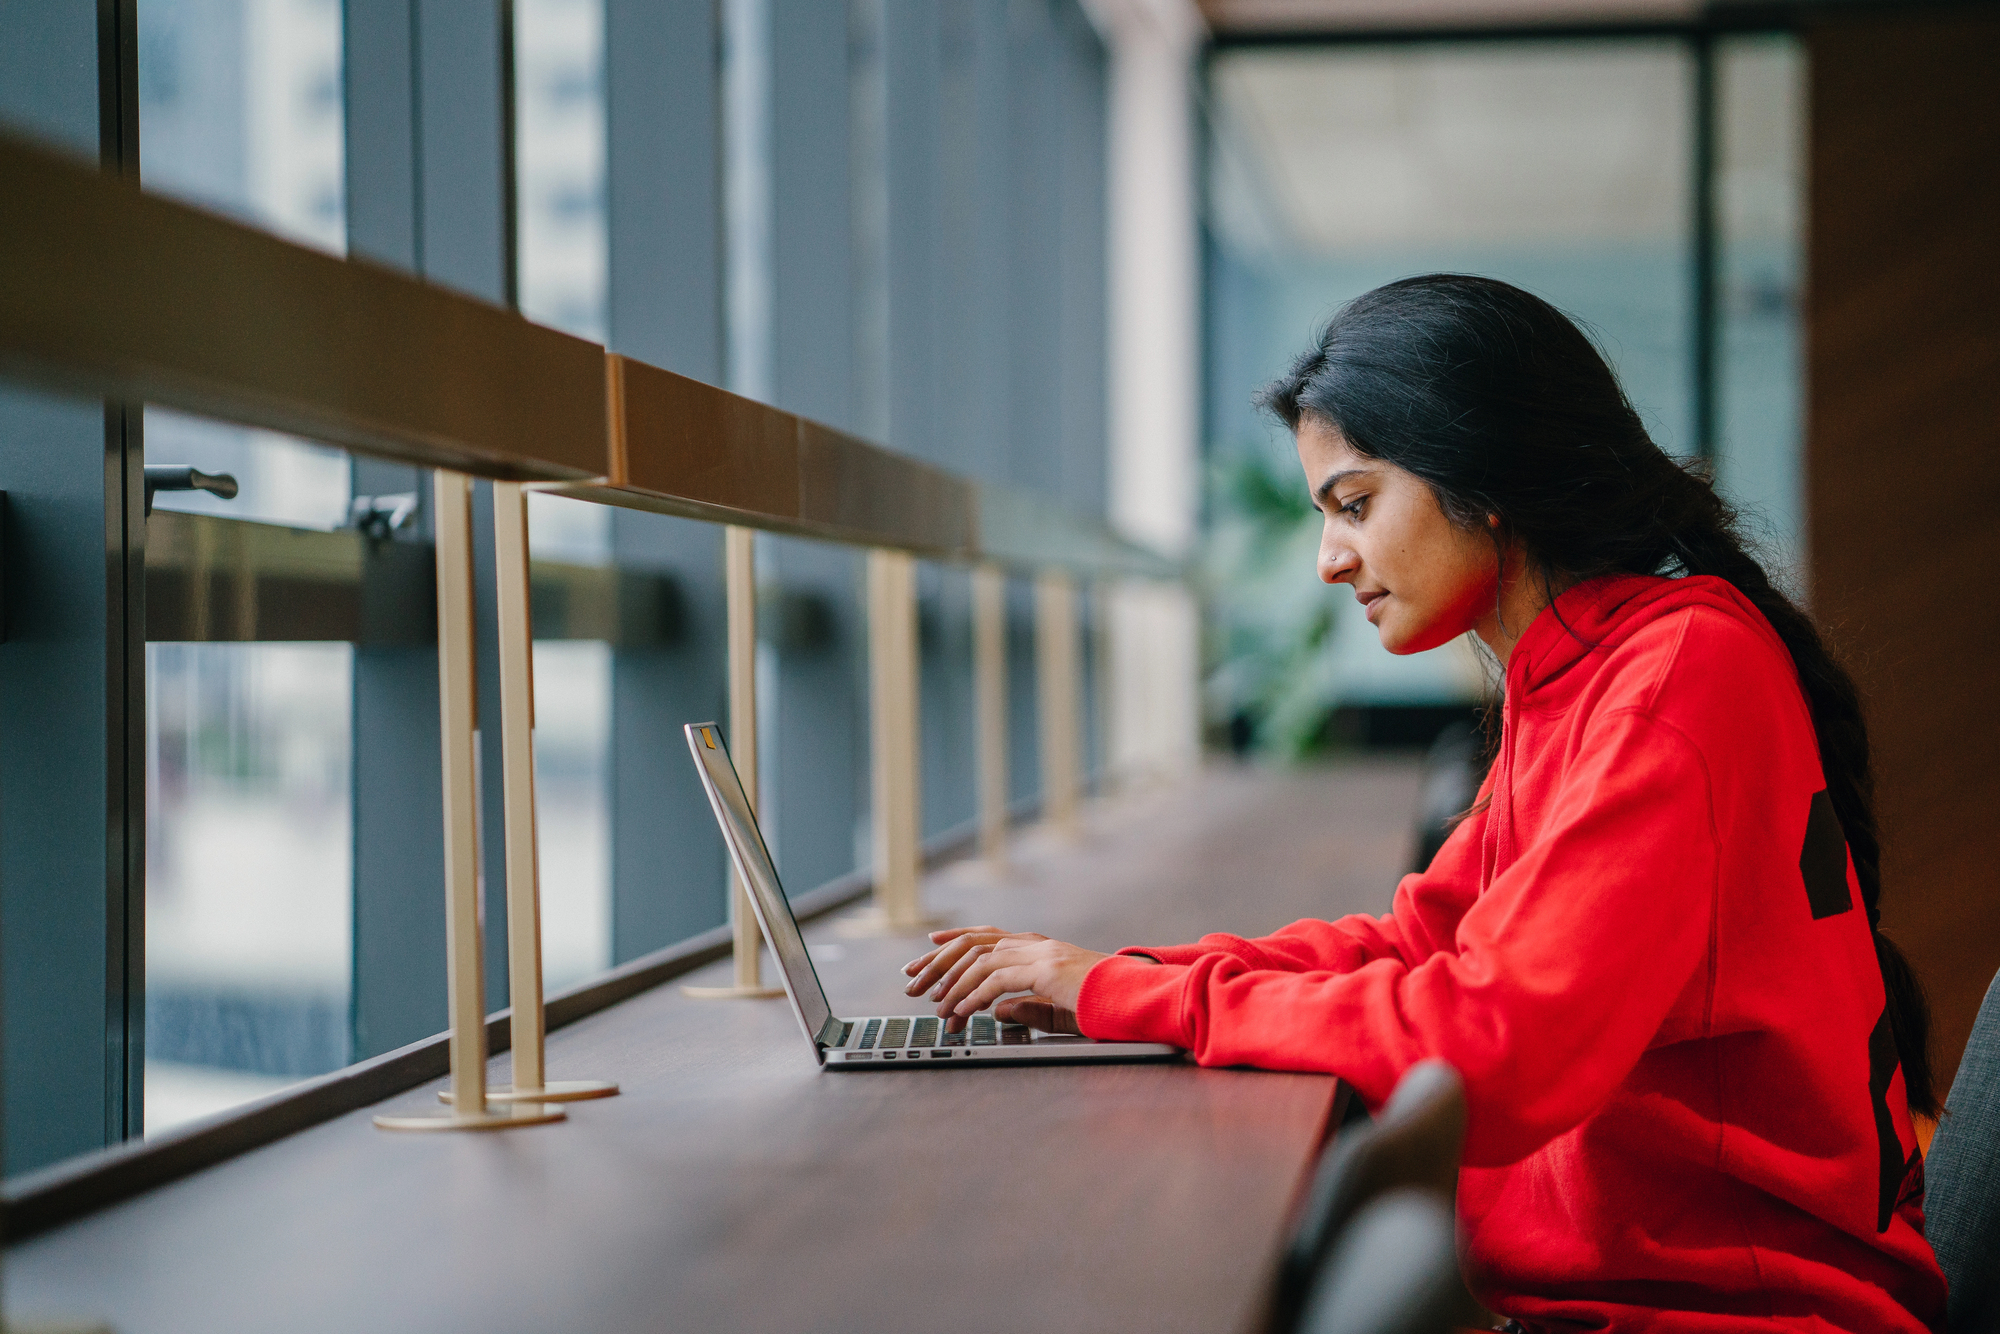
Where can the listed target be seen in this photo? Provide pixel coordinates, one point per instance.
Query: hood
(1599, 614)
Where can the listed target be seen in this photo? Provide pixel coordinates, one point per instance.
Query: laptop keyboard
(901, 1034)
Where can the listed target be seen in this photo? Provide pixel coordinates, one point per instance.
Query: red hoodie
(1646, 954)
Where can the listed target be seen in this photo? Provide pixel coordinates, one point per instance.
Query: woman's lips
(1373, 602)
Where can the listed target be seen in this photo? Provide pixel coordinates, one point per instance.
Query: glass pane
(1561, 167)
(1760, 374)
(559, 155)
(248, 916)
(572, 808)
(249, 898)
(572, 759)
(241, 110)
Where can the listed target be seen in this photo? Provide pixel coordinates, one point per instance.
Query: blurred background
(1567, 168)
(1055, 244)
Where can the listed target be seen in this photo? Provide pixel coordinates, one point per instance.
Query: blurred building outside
(249, 858)
(1302, 177)
(1565, 167)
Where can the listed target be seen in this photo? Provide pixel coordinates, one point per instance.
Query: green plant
(1270, 620)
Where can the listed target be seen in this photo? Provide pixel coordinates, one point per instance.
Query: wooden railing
(109, 291)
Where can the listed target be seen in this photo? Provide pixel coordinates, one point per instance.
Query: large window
(249, 829)
(1568, 168)
(888, 218)
(1760, 194)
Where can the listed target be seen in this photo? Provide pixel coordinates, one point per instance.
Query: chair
(1962, 1180)
(1454, 767)
(1393, 1270)
(1414, 1144)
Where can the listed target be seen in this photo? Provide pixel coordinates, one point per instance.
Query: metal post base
(556, 1090)
(517, 1114)
(733, 993)
(876, 922)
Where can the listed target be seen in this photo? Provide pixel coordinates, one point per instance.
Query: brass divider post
(1059, 690)
(989, 693)
(465, 972)
(897, 809)
(739, 564)
(529, 1030)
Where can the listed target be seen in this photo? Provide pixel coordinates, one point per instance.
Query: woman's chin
(1403, 641)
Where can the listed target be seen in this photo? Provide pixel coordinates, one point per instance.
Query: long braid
(1700, 534)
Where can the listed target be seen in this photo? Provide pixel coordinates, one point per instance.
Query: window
(248, 880)
(1562, 167)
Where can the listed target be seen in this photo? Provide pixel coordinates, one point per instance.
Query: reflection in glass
(563, 257)
(248, 899)
(1563, 168)
(248, 917)
(240, 110)
(1759, 190)
(559, 158)
(572, 807)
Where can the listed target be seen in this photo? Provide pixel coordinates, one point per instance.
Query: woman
(1650, 947)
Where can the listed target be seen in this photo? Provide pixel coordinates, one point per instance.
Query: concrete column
(1154, 324)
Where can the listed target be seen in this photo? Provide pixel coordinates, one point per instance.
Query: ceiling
(1247, 18)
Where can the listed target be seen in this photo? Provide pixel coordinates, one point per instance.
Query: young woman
(1650, 947)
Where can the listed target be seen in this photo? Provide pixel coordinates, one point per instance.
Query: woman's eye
(1352, 509)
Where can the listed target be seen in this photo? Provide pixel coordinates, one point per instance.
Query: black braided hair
(1504, 407)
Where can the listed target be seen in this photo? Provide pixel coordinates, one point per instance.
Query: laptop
(873, 1042)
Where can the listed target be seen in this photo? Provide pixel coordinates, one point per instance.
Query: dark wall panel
(72, 667)
(815, 791)
(663, 188)
(1903, 460)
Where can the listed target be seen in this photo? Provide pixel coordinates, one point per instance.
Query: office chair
(1962, 1180)
(1414, 1144)
(1392, 1270)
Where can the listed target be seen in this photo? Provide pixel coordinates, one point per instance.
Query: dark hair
(1502, 405)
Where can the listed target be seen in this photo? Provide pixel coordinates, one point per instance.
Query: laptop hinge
(829, 1032)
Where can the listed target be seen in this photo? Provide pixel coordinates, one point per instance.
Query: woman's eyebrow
(1325, 488)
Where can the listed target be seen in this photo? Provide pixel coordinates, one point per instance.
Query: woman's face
(1424, 580)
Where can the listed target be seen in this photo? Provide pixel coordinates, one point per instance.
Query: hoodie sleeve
(1562, 971)
(1422, 920)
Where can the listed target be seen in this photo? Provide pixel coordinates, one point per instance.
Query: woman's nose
(1337, 563)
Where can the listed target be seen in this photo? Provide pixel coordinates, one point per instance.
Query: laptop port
(941, 1053)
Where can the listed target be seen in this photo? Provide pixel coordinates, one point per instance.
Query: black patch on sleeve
(1823, 860)
(1892, 1168)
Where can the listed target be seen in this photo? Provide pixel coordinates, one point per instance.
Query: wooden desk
(734, 1187)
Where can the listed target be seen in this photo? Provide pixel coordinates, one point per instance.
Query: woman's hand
(972, 967)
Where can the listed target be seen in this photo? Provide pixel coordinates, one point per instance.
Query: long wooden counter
(734, 1187)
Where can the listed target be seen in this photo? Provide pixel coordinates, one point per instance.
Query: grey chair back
(1414, 1144)
(1962, 1180)
(1392, 1270)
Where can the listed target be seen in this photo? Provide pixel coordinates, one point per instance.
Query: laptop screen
(753, 863)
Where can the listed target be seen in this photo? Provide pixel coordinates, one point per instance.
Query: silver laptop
(875, 1042)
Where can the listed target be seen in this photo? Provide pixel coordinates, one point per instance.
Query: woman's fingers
(946, 957)
(953, 932)
(996, 983)
(952, 974)
(962, 985)
(939, 939)
(1014, 954)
